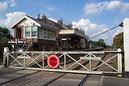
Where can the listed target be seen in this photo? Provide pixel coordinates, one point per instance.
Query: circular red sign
(53, 61)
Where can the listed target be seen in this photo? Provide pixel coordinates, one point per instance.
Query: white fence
(96, 62)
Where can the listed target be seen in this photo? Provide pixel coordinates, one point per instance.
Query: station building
(42, 33)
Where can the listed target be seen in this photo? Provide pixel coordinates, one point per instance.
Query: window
(27, 31)
(31, 31)
(45, 35)
(48, 35)
(41, 33)
(34, 31)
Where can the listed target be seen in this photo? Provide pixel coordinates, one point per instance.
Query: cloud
(13, 17)
(93, 29)
(2, 21)
(3, 5)
(6, 4)
(92, 8)
(12, 3)
(50, 9)
(89, 27)
(84, 24)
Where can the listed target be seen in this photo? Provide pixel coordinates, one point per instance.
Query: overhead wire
(120, 25)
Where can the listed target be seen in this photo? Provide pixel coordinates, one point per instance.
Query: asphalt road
(16, 77)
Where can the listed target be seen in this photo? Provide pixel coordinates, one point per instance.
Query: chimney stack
(38, 16)
(44, 18)
(60, 22)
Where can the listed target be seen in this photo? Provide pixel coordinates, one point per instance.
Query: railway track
(42, 78)
(51, 79)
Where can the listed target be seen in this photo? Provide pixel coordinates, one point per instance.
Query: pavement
(9, 74)
(114, 81)
(7, 70)
(68, 80)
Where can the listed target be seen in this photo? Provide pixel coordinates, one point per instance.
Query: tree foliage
(4, 36)
(118, 41)
(98, 44)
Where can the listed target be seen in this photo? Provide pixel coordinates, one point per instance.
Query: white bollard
(5, 56)
(119, 61)
(126, 43)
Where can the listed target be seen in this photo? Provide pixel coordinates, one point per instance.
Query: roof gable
(25, 17)
(48, 24)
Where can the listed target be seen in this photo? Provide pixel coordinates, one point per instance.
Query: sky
(93, 16)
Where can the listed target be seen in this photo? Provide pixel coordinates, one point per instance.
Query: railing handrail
(69, 52)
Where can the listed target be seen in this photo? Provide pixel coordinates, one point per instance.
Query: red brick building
(45, 34)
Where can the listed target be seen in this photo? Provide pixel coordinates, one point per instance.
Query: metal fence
(91, 62)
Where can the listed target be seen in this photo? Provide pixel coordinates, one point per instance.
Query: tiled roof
(47, 23)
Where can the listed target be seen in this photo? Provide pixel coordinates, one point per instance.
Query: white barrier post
(126, 43)
(119, 62)
(5, 56)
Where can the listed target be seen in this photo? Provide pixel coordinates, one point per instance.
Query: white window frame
(47, 35)
(31, 28)
(25, 29)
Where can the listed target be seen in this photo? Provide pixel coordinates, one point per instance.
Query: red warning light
(53, 61)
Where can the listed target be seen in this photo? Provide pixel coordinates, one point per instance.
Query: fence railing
(92, 62)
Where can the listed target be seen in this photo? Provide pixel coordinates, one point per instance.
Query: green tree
(100, 43)
(4, 36)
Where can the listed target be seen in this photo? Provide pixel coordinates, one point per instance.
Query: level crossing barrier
(90, 62)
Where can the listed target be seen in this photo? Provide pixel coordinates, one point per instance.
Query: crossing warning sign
(53, 61)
